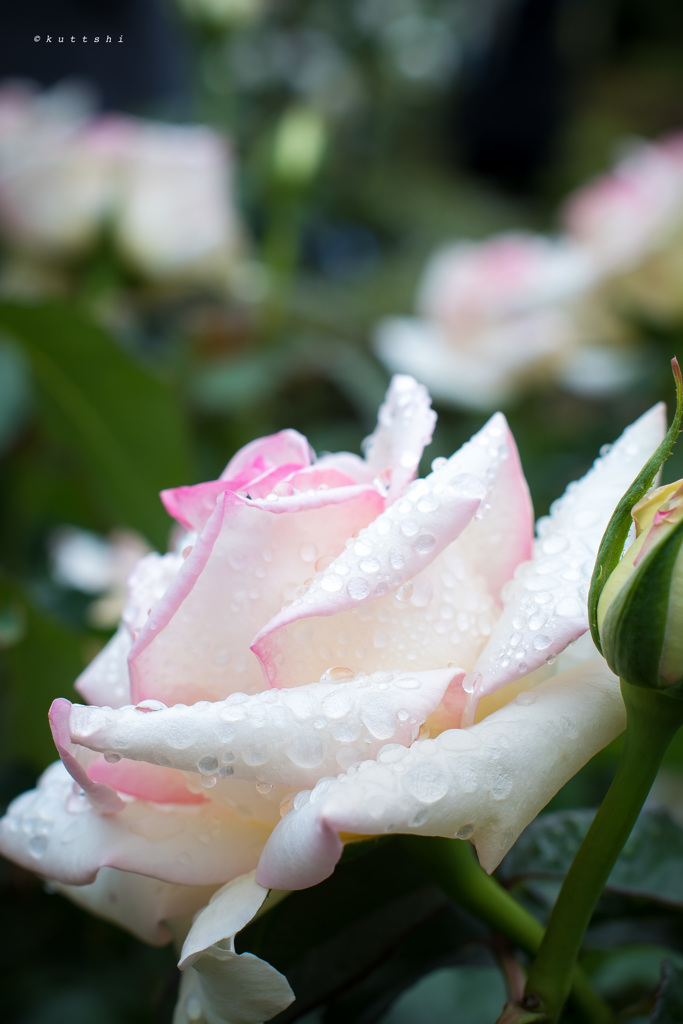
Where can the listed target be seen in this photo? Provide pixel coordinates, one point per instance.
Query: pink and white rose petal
(306, 665)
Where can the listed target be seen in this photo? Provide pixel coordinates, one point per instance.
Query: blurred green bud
(299, 146)
(640, 610)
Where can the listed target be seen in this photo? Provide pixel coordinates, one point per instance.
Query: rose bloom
(495, 316)
(630, 222)
(55, 187)
(164, 191)
(308, 663)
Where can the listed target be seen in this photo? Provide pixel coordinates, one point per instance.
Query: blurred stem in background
(297, 155)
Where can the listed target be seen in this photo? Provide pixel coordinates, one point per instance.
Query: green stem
(455, 867)
(652, 720)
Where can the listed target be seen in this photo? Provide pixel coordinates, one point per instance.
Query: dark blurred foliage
(151, 66)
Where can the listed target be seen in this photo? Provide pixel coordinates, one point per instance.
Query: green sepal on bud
(640, 612)
(635, 605)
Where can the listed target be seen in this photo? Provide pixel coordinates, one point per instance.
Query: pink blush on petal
(145, 781)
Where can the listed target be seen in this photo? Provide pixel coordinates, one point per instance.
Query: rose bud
(640, 613)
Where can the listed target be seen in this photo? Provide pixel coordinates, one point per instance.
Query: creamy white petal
(56, 832)
(138, 903)
(220, 986)
(485, 783)
(546, 602)
(405, 424)
(289, 737)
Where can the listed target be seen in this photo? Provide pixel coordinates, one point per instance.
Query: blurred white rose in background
(162, 192)
(499, 315)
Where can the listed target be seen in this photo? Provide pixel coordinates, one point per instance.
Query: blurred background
(219, 218)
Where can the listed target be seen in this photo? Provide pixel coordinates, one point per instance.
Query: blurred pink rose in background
(631, 222)
(497, 316)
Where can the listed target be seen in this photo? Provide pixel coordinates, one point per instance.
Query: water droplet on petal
(37, 845)
(194, 1008)
(305, 751)
(207, 765)
(358, 588)
(409, 527)
(427, 783)
(308, 552)
(525, 699)
(150, 705)
(471, 681)
(424, 543)
(112, 758)
(331, 582)
(337, 674)
(407, 682)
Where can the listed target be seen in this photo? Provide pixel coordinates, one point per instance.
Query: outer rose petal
(102, 782)
(290, 737)
(405, 424)
(102, 796)
(137, 902)
(244, 566)
(545, 604)
(193, 505)
(485, 783)
(57, 833)
(220, 986)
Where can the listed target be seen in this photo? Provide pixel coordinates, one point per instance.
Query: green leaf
(15, 393)
(434, 998)
(122, 425)
(41, 663)
(668, 1007)
(612, 543)
(648, 867)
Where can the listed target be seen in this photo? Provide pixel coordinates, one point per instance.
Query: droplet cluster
(396, 546)
(404, 588)
(147, 584)
(54, 830)
(285, 736)
(546, 601)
